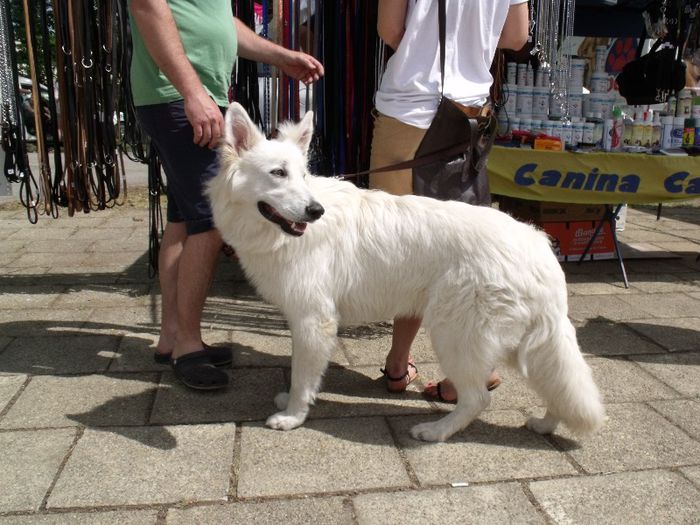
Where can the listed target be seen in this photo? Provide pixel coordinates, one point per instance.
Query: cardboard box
(539, 212)
(569, 240)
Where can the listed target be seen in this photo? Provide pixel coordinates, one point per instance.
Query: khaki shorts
(393, 142)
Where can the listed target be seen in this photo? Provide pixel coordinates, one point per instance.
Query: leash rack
(16, 167)
(77, 62)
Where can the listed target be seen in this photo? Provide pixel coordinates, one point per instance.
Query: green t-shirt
(209, 37)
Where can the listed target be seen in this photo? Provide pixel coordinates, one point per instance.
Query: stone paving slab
(633, 437)
(321, 456)
(679, 371)
(664, 283)
(250, 396)
(693, 474)
(34, 321)
(317, 511)
(77, 354)
(683, 412)
(495, 447)
(121, 320)
(609, 338)
(9, 386)
(94, 400)
(38, 297)
(145, 465)
(29, 462)
(596, 284)
(621, 381)
(126, 517)
(269, 347)
(605, 307)
(675, 335)
(662, 305)
(371, 349)
(106, 295)
(650, 497)
(361, 391)
(501, 503)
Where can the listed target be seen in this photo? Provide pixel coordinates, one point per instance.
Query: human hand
(301, 66)
(206, 119)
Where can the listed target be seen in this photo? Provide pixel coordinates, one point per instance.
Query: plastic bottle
(656, 131)
(627, 139)
(685, 104)
(608, 126)
(638, 130)
(647, 130)
(618, 129)
(677, 132)
(689, 133)
(666, 131)
(671, 105)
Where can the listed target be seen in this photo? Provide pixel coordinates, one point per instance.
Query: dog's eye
(279, 172)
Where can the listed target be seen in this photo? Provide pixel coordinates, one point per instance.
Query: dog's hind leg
(313, 341)
(562, 378)
(469, 371)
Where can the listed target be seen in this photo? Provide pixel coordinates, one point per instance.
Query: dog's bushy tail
(560, 375)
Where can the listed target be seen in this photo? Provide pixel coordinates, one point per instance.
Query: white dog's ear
(300, 133)
(241, 133)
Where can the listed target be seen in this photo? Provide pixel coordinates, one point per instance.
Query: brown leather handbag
(461, 176)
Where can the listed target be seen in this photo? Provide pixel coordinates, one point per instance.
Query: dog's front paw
(281, 400)
(429, 432)
(284, 421)
(542, 425)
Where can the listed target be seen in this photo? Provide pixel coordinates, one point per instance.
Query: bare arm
(165, 47)
(515, 30)
(391, 21)
(294, 63)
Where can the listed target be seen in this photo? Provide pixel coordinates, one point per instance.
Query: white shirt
(410, 87)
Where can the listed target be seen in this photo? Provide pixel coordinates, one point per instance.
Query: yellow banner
(592, 178)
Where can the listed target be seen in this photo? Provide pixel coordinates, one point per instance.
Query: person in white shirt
(407, 100)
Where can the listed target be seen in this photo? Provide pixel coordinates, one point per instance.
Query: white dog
(488, 287)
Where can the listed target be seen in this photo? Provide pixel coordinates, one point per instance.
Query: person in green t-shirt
(183, 55)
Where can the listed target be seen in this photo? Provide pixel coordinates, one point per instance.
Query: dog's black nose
(314, 211)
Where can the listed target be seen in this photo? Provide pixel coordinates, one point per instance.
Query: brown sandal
(438, 396)
(405, 378)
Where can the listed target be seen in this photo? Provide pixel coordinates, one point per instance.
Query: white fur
(489, 288)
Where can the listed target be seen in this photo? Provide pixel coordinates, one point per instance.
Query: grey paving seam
(78, 434)
(349, 507)
(670, 420)
(235, 471)
(12, 401)
(525, 487)
(161, 518)
(682, 474)
(412, 476)
(160, 507)
(649, 374)
(149, 412)
(642, 335)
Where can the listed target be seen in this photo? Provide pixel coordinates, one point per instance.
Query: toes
(283, 421)
(427, 432)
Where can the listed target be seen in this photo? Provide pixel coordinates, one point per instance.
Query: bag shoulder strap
(442, 31)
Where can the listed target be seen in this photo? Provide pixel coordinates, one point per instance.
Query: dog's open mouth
(272, 215)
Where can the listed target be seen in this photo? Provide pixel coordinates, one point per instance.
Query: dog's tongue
(298, 227)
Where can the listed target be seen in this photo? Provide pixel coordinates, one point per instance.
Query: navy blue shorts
(188, 167)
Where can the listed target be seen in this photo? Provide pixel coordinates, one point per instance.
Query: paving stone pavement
(92, 431)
